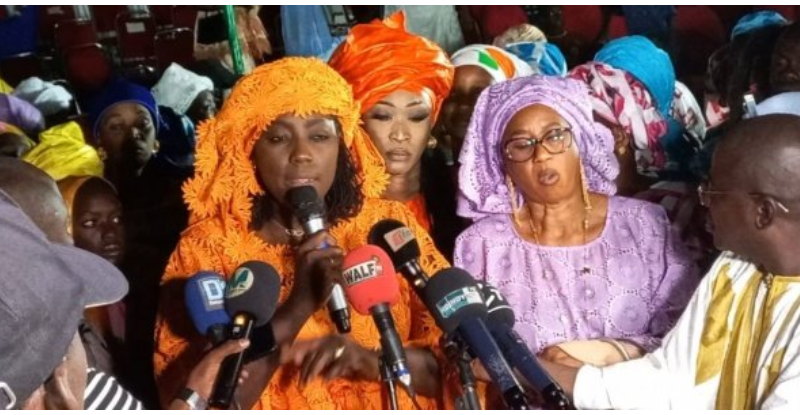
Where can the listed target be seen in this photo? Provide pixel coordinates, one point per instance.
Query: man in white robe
(737, 345)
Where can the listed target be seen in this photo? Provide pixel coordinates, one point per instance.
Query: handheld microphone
(310, 210)
(204, 294)
(372, 287)
(251, 298)
(457, 305)
(397, 240)
(501, 323)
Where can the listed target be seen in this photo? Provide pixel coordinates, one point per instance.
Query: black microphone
(310, 210)
(251, 298)
(456, 304)
(399, 242)
(501, 323)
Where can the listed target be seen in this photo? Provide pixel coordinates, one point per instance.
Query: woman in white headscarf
(49, 98)
(186, 93)
(477, 67)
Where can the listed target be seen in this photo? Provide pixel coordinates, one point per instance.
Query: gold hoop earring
(156, 147)
(432, 142)
(619, 141)
(512, 194)
(587, 201)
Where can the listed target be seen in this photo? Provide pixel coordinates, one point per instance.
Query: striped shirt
(104, 392)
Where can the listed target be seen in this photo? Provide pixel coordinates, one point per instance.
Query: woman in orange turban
(400, 80)
(289, 124)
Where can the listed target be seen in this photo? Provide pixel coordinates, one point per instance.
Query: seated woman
(591, 277)
(285, 125)
(126, 123)
(634, 93)
(477, 67)
(528, 43)
(400, 80)
(184, 99)
(186, 93)
(631, 83)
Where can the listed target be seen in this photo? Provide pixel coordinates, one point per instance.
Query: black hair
(751, 56)
(785, 68)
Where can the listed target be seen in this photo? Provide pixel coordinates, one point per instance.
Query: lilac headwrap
(20, 113)
(482, 183)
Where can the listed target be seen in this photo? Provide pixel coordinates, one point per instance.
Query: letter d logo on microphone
(241, 282)
(214, 290)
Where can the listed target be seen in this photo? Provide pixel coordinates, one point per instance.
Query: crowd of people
(643, 228)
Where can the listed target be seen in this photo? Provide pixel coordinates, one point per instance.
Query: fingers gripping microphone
(372, 287)
(310, 210)
(205, 300)
(397, 240)
(251, 298)
(501, 323)
(456, 304)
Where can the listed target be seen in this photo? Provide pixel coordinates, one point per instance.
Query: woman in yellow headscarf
(290, 124)
(400, 80)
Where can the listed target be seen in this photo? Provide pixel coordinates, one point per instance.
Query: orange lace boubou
(218, 237)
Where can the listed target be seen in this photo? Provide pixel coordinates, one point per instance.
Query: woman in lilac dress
(592, 278)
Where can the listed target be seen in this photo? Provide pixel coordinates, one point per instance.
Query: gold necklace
(293, 234)
(585, 269)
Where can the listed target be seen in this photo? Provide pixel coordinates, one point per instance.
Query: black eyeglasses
(555, 141)
(705, 194)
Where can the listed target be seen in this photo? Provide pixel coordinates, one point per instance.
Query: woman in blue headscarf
(530, 44)
(633, 88)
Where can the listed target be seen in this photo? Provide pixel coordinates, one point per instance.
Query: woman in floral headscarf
(591, 277)
(631, 83)
(289, 124)
(658, 130)
(400, 80)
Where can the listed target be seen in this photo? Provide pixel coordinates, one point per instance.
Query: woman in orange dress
(400, 80)
(289, 124)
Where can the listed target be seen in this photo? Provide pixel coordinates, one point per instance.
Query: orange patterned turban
(380, 58)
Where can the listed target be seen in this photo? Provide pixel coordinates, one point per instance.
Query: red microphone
(372, 287)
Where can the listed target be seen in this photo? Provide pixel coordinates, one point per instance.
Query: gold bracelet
(619, 348)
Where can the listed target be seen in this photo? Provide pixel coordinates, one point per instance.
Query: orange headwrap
(219, 237)
(225, 181)
(380, 58)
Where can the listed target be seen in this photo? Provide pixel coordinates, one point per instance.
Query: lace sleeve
(678, 282)
(178, 347)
